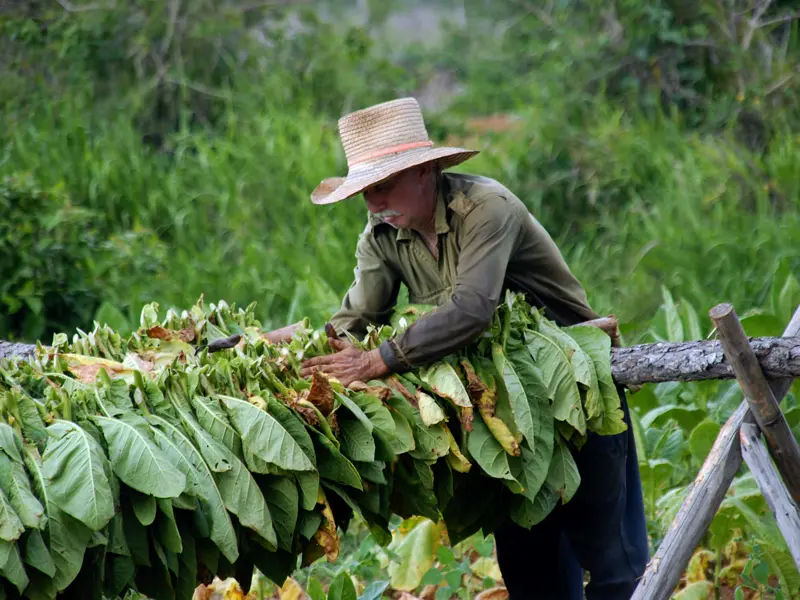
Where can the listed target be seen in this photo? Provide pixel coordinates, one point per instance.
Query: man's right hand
(284, 334)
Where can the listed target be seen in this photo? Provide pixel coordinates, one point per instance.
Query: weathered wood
(650, 363)
(771, 486)
(703, 500)
(781, 441)
(698, 509)
(10, 349)
(692, 361)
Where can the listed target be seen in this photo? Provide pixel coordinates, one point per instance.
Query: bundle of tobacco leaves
(193, 448)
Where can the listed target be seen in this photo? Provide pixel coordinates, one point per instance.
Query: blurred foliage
(159, 150)
(650, 138)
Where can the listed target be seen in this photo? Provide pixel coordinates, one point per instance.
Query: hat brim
(360, 177)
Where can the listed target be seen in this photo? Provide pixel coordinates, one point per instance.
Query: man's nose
(375, 203)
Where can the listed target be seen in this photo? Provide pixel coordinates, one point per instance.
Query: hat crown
(390, 126)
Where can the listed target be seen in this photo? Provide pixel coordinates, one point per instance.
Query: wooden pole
(704, 498)
(769, 482)
(646, 363)
(780, 439)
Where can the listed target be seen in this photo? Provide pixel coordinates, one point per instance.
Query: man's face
(405, 199)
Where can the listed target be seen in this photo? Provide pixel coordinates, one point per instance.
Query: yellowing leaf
(415, 545)
(444, 380)
(429, 410)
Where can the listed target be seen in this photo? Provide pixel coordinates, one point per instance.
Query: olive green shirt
(488, 242)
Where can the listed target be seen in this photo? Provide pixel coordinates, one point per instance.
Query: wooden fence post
(769, 482)
(704, 498)
(781, 441)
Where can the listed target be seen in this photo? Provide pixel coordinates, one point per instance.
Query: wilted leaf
(429, 410)
(445, 382)
(87, 368)
(321, 393)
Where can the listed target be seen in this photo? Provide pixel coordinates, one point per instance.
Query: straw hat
(380, 141)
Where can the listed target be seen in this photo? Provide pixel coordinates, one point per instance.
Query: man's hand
(348, 364)
(284, 334)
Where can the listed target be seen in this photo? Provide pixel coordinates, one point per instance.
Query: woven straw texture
(379, 142)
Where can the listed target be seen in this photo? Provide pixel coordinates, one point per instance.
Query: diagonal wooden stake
(763, 405)
(769, 482)
(702, 503)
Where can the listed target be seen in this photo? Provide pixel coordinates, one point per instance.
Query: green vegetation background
(157, 151)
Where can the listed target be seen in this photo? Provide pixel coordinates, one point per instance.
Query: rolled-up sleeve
(373, 293)
(490, 234)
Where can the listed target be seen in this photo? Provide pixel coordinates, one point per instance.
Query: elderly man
(459, 241)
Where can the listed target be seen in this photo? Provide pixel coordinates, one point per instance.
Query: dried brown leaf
(321, 393)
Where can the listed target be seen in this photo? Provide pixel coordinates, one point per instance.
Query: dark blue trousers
(602, 530)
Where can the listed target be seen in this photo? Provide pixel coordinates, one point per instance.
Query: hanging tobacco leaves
(194, 448)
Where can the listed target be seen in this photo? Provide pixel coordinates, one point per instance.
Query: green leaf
(686, 416)
(33, 428)
(263, 435)
(556, 369)
(595, 343)
(372, 471)
(415, 553)
(137, 460)
(76, 467)
(702, 439)
(167, 528)
(14, 483)
(401, 440)
(376, 412)
(214, 454)
(109, 314)
(357, 442)
(430, 443)
(563, 477)
(201, 484)
(342, 588)
(11, 567)
(243, 498)
(487, 451)
(283, 500)
(214, 420)
(314, 589)
(582, 367)
(524, 410)
(308, 482)
(67, 536)
(531, 467)
(355, 409)
(788, 298)
(444, 380)
(37, 555)
(699, 590)
(673, 319)
(10, 525)
(374, 590)
(144, 507)
(527, 513)
(187, 572)
(334, 466)
(429, 410)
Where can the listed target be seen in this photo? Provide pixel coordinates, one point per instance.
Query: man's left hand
(348, 364)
